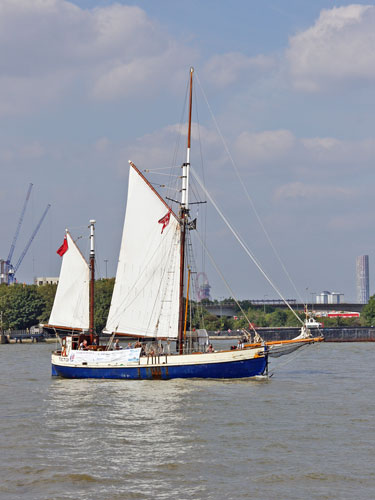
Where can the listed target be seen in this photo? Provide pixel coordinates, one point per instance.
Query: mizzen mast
(92, 280)
(184, 213)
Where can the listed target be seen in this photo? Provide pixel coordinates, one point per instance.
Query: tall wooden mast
(184, 213)
(92, 280)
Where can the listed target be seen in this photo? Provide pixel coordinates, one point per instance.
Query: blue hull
(233, 369)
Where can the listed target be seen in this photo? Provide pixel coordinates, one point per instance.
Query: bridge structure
(229, 308)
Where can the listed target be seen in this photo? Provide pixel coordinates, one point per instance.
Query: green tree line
(269, 316)
(22, 306)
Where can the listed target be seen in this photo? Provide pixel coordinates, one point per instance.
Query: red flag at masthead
(63, 248)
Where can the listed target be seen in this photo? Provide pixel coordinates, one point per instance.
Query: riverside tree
(21, 306)
(368, 312)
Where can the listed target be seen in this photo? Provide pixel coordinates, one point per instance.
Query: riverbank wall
(355, 334)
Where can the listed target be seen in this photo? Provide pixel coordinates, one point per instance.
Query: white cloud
(49, 46)
(27, 151)
(300, 190)
(281, 152)
(167, 147)
(142, 74)
(225, 69)
(339, 156)
(264, 146)
(102, 144)
(337, 50)
(350, 222)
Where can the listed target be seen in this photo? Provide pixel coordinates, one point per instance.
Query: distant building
(335, 298)
(40, 281)
(3, 271)
(204, 288)
(328, 297)
(362, 279)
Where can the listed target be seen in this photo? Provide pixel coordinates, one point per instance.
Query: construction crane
(13, 246)
(11, 270)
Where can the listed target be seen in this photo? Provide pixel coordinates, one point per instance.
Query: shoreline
(338, 334)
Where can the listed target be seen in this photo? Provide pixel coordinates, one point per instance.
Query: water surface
(307, 433)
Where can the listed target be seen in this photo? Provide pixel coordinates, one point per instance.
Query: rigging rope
(247, 193)
(293, 357)
(191, 262)
(244, 246)
(229, 289)
(128, 298)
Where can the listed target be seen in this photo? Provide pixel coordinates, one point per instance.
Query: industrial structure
(204, 287)
(45, 280)
(327, 297)
(7, 268)
(362, 279)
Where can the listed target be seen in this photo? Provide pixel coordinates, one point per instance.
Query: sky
(284, 96)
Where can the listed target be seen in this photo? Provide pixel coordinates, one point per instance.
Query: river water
(306, 433)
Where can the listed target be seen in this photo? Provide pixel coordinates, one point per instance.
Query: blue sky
(87, 85)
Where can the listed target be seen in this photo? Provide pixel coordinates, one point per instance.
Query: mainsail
(145, 299)
(71, 306)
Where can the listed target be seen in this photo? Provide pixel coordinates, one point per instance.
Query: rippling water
(307, 433)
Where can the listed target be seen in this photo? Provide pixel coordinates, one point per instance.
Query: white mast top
(92, 243)
(186, 166)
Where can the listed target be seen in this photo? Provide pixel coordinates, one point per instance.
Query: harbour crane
(12, 269)
(15, 237)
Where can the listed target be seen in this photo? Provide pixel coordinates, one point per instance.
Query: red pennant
(165, 221)
(63, 248)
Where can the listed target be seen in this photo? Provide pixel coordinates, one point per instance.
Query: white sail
(71, 305)
(145, 299)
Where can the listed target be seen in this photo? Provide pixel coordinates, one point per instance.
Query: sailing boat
(148, 299)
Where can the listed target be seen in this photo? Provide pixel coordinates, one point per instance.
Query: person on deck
(83, 345)
(117, 346)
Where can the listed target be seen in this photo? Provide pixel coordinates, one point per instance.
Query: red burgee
(63, 248)
(165, 221)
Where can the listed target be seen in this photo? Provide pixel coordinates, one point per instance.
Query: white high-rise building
(363, 281)
(327, 297)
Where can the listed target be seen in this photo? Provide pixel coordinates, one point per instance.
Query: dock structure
(20, 336)
(337, 334)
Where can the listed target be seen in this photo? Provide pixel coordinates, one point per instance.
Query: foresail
(71, 305)
(145, 299)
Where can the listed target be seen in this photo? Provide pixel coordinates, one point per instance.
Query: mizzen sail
(71, 305)
(145, 299)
